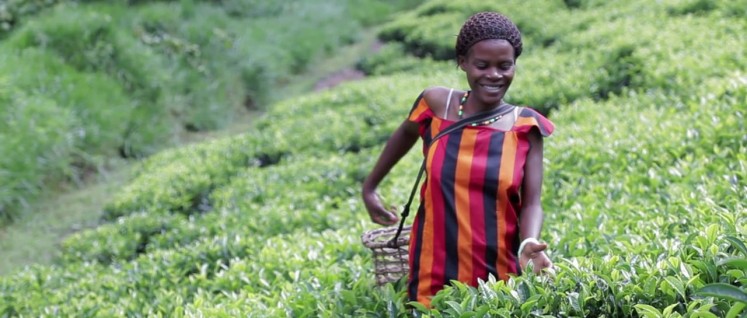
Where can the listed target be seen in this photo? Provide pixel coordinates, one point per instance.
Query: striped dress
(466, 227)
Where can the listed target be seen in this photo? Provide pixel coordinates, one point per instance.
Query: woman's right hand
(376, 210)
(396, 147)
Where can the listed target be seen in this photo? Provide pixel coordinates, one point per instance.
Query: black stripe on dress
(448, 175)
(412, 288)
(490, 190)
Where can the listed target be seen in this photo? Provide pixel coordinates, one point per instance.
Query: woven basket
(390, 264)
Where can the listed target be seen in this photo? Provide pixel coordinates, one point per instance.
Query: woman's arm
(531, 217)
(396, 147)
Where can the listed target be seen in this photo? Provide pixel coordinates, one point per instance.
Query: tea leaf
(738, 244)
(735, 310)
(648, 311)
(740, 263)
(677, 285)
(725, 291)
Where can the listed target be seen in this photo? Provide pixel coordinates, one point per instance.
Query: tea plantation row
(644, 189)
(84, 82)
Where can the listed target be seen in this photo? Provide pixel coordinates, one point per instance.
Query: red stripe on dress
(430, 231)
(477, 206)
(439, 227)
(505, 182)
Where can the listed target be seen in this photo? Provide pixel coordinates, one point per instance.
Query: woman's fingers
(376, 210)
(384, 217)
(532, 248)
(541, 262)
(533, 253)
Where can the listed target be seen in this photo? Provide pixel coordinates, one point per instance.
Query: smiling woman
(480, 213)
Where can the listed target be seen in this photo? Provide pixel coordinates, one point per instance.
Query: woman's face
(490, 67)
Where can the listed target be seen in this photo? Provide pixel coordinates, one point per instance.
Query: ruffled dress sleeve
(421, 114)
(529, 118)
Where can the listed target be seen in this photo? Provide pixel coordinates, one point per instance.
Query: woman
(480, 211)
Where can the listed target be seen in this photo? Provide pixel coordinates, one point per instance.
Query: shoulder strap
(448, 101)
(481, 116)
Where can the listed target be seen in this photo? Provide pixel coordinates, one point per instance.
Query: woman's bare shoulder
(436, 97)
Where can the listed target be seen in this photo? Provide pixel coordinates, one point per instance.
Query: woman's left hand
(535, 252)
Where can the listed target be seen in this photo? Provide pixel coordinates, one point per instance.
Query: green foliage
(431, 29)
(705, 7)
(43, 74)
(392, 58)
(71, 132)
(36, 139)
(184, 186)
(204, 93)
(599, 61)
(645, 179)
(170, 183)
(91, 41)
(121, 241)
(136, 75)
(13, 12)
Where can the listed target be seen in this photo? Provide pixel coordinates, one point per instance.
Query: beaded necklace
(482, 123)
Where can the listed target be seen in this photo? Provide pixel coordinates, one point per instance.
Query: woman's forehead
(492, 48)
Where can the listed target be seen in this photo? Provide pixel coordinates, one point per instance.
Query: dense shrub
(36, 139)
(60, 123)
(184, 186)
(431, 29)
(94, 99)
(91, 41)
(392, 58)
(12, 12)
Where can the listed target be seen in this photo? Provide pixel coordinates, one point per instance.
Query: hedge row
(568, 59)
(309, 126)
(135, 78)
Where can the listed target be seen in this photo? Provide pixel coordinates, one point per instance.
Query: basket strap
(481, 116)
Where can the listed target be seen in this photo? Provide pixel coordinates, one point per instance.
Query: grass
(34, 238)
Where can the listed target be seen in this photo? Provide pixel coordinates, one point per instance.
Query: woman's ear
(462, 62)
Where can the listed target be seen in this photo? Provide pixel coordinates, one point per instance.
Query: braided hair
(487, 26)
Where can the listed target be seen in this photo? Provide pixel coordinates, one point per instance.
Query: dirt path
(348, 73)
(339, 77)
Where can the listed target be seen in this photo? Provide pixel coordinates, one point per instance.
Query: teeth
(492, 88)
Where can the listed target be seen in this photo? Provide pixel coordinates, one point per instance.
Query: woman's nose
(494, 73)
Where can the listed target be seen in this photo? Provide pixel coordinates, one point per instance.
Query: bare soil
(346, 74)
(339, 77)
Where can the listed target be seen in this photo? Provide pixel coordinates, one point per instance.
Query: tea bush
(666, 53)
(431, 29)
(171, 183)
(392, 58)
